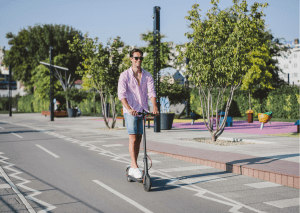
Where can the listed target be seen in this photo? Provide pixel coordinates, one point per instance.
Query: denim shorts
(134, 124)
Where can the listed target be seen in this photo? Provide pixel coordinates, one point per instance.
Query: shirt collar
(132, 70)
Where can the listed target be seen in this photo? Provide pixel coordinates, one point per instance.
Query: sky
(129, 18)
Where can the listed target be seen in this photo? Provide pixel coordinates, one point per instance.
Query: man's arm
(126, 105)
(155, 109)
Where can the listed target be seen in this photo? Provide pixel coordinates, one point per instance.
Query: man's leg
(134, 148)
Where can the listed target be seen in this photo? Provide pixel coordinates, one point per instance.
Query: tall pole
(187, 60)
(51, 88)
(9, 90)
(156, 51)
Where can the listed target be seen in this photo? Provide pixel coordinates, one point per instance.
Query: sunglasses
(137, 58)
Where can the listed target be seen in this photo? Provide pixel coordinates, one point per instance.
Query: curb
(279, 178)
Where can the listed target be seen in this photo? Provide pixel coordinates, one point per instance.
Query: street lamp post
(156, 51)
(187, 87)
(9, 90)
(51, 88)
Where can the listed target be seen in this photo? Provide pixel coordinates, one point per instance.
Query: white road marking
(189, 168)
(262, 185)
(209, 178)
(132, 202)
(111, 145)
(5, 186)
(124, 155)
(46, 150)
(153, 161)
(1, 127)
(17, 135)
(95, 141)
(16, 190)
(284, 203)
(235, 205)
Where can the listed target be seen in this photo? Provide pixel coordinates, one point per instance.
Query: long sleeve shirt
(136, 95)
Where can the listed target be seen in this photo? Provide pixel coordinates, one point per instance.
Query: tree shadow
(262, 160)
(159, 184)
(20, 131)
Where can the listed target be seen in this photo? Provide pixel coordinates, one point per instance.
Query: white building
(17, 87)
(289, 63)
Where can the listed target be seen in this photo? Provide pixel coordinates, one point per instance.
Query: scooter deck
(139, 180)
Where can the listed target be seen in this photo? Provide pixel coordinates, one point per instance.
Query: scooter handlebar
(146, 113)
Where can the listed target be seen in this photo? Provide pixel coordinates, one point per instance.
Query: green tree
(41, 77)
(31, 45)
(103, 66)
(165, 54)
(175, 91)
(219, 52)
(263, 74)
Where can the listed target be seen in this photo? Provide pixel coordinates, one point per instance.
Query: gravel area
(219, 142)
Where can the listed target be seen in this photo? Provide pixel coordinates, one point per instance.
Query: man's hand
(155, 111)
(133, 112)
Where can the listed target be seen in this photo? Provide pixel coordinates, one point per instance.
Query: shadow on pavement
(262, 160)
(20, 131)
(159, 184)
(52, 188)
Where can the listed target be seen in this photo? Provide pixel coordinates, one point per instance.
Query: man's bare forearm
(128, 107)
(154, 103)
(125, 104)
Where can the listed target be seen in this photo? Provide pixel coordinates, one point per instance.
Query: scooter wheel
(128, 179)
(147, 183)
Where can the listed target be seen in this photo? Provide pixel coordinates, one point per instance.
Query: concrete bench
(56, 113)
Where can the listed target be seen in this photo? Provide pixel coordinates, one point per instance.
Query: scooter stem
(145, 151)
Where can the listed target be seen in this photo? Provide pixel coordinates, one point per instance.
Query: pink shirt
(136, 95)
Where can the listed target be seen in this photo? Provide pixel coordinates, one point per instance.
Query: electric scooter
(146, 177)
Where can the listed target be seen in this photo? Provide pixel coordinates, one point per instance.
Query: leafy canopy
(102, 65)
(31, 45)
(221, 45)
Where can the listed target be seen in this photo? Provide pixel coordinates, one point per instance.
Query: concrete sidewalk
(270, 158)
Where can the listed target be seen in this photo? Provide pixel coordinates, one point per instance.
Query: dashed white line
(284, 203)
(209, 178)
(111, 145)
(17, 135)
(46, 150)
(188, 168)
(132, 202)
(262, 185)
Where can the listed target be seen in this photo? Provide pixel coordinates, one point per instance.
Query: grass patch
(272, 120)
(13, 112)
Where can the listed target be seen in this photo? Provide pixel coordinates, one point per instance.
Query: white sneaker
(136, 173)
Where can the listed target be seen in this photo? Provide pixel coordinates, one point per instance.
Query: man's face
(136, 63)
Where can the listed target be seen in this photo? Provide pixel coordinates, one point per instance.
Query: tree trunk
(249, 100)
(207, 110)
(213, 136)
(94, 102)
(113, 110)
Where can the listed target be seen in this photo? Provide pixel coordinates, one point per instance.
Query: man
(132, 92)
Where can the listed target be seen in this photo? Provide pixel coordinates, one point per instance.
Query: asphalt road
(60, 169)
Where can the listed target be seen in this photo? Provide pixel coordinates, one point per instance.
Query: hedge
(284, 102)
(33, 103)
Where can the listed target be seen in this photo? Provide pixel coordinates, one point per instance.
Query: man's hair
(135, 50)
